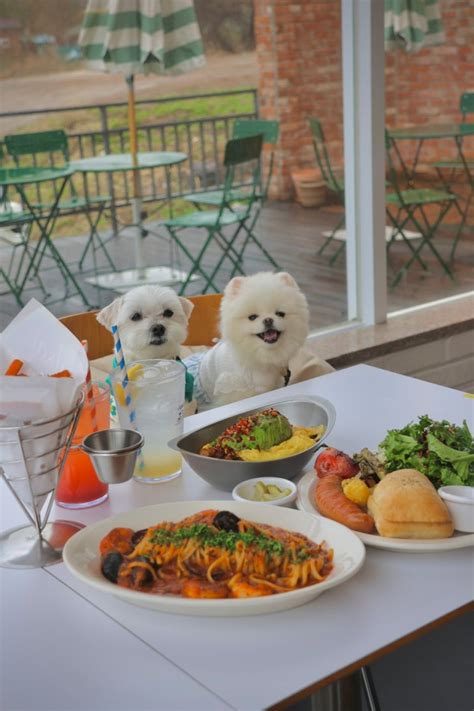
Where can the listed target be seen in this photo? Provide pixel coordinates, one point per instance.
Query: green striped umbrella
(141, 37)
(413, 24)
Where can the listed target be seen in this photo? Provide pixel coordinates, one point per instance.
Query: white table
(65, 646)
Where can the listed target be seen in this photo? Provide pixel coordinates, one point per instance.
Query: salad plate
(305, 502)
(81, 556)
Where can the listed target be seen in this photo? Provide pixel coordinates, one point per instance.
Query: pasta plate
(81, 556)
(305, 502)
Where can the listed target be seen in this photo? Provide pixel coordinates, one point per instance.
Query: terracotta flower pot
(310, 189)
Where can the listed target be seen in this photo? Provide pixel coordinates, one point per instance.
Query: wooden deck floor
(293, 235)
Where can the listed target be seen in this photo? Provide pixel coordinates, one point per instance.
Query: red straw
(90, 390)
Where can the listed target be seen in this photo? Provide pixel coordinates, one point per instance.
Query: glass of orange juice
(78, 485)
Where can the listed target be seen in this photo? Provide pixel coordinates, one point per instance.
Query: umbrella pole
(136, 201)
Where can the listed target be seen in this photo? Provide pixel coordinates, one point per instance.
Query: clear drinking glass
(78, 486)
(156, 389)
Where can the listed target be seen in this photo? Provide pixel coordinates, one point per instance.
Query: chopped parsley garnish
(209, 536)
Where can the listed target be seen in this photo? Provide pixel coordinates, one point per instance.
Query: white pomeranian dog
(264, 323)
(152, 322)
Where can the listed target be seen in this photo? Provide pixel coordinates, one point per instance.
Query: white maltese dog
(264, 322)
(152, 322)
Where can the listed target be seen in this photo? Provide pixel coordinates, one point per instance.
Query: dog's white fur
(146, 328)
(243, 364)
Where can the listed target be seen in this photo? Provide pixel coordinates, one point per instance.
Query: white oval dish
(305, 502)
(460, 503)
(81, 556)
(244, 490)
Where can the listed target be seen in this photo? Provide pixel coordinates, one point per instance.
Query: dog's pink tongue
(270, 336)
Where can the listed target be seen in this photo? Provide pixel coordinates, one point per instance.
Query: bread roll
(405, 504)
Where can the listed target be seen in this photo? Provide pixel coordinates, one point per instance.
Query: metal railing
(202, 139)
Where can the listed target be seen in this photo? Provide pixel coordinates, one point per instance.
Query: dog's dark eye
(136, 316)
(252, 317)
(167, 313)
(281, 314)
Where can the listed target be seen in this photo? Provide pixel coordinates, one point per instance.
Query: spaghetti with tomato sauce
(213, 554)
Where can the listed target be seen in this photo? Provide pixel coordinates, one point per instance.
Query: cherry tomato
(333, 461)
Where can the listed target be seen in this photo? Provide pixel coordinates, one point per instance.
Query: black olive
(226, 521)
(110, 566)
(141, 576)
(138, 535)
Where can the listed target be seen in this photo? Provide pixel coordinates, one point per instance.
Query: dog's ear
(109, 314)
(187, 306)
(287, 280)
(234, 286)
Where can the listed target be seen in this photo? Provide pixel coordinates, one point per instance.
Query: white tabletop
(81, 649)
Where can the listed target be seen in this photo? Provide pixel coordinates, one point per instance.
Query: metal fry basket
(31, 460)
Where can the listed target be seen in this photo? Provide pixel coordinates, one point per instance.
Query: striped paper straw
(90, 390)
(132, 415)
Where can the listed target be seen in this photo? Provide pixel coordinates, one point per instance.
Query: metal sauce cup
(113, 453)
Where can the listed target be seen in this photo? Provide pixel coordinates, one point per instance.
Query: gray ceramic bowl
(225, 474)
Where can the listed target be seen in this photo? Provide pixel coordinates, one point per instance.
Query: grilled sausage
(332, 503)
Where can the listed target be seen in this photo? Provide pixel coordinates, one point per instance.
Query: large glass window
(430, 115)
(374, 257)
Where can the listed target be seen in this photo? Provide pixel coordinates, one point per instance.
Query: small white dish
(460, 503)
(246, 489)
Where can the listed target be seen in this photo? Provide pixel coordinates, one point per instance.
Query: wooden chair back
(203, 326)
(204, 322)
(86, 327)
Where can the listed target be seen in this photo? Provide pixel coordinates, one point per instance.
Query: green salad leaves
(442, 451)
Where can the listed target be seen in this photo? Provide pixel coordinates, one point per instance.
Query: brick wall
(299, 56)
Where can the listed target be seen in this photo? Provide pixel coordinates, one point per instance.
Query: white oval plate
(81, 556)
(304, 502)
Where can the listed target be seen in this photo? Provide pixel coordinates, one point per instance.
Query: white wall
(449, 362)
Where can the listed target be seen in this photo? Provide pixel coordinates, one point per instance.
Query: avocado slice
(260, 431)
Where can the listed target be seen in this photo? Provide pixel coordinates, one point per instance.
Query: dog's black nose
(268, 322)
(158, 330)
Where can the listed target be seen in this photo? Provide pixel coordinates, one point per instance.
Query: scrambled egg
(303, 438)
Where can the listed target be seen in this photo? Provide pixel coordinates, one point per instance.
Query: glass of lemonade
(156, 388)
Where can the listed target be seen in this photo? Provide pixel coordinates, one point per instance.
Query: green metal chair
(333, 180)
(43, 147)
(238, 152)
(466, 105)
(15, 227)
(243, 128)
(410, 207)
(449, 171)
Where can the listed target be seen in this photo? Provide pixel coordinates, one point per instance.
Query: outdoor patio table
(19, 179)
(67, 645)
(452, 131)
(422, 133)
(119, 163)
